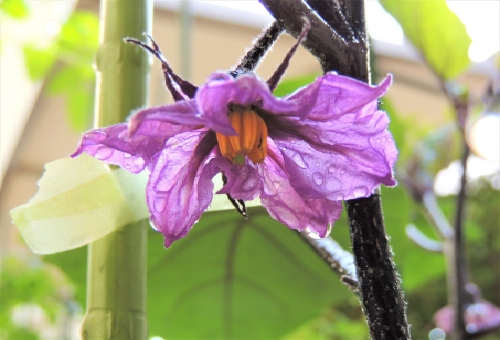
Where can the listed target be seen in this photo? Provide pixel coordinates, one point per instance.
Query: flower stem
(116, 289)
(339, 260)
(380, 288)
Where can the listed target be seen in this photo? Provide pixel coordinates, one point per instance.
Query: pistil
(251, 140)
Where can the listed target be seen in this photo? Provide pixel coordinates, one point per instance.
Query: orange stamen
(251, 139)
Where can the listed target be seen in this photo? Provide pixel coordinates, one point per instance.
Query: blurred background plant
(279, 288)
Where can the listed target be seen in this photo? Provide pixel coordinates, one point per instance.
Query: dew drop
(384, 139)
(360, 192)
(331, 169)
(378, 140)
(342, 172)
(317, 164)
(103, 153)
(299, 161)
(317, 178)
(127, 166)
(312, 233)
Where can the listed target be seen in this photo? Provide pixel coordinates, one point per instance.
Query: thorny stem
(322, 41)
(379, 285)
(460, 330)
(280, 71)
(456, 254)
(261, 46)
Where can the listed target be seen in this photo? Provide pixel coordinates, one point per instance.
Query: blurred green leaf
(434, 30)
(80, 33)
(74, 50)
(332, 325)
(17, 9)
(231, 278)
(21, 284)
(75, 76)
(79, 106)
(288, 86)
(39, 61)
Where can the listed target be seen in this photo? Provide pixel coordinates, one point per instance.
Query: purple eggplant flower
(302, 154)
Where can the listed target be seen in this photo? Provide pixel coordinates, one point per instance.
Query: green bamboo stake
(116, 272)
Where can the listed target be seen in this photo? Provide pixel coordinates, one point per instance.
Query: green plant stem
(116, 296)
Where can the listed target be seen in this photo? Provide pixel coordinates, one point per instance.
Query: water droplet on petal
(329, 230)
(297, 158)
(312, 233)
(103, 153)
(378, 140)
(331, 169)
(317, 178)
(384, 139)
(342, 172)
(153, 225)
(317, 164)
(360, 192)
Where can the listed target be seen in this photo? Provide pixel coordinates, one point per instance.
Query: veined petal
(220, 90)
(340, 159)
(285, 205)
(180, 186)
(338, 95)
(243, 181)
(113, 146)
(156, 121)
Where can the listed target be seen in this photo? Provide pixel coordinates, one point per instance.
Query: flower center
(251, 139)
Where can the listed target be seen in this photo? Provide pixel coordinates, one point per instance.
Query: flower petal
(243, 181)
(221, 90)
(285, 205)
(340, 159)
(156, 121)
(180, 186)
(338, 95)
(112, 145)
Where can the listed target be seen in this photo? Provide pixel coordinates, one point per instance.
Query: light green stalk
(116, 289)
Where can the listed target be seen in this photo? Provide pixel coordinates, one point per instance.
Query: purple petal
(285, 205)
(155, 121)
(220, 90)
(180, 186)
(340, 159)
(243, 181)
(113, 146)
(152, 120)
(338, 95)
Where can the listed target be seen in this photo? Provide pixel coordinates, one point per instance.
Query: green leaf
(434, 30)
(229, 278)
(80, 33)
(79, 106)
(80, 200)
(67, 78)
(17, 9)
(39, 61)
